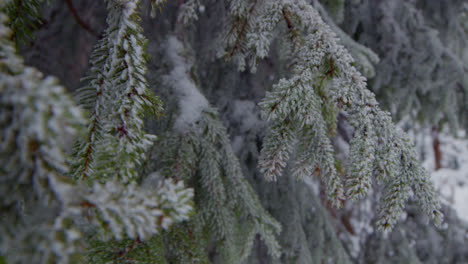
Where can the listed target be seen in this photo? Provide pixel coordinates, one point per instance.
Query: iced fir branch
(261, 35)
(90, 98)
(247, 202)
(204, 154)
(179, 158)
(32, 160)
(250, 30)
(203, 140)
(309, 234)
(429, 84)
(120, 211)
(323, 80)
(137, 212)
(119, 97)
(39, 238)
(295, 110)
(369, 123)
(38, 204)
(127, 97)
(364, 57)
(32, 164)
(241, 197)
(240, 22)
(36, 119)
(188, 11)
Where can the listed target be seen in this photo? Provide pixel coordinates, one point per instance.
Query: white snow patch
(244, 112)
(201, 8)
(191, 101)
(452, 179)
(237, 144)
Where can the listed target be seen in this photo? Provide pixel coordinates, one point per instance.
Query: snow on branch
(191, 101)
(134, 212)
(364, 57)
(423, 63)
(40, 206)
(202, 152)
(118, 97)
(36, 120)
(302, 111)
(189, 11)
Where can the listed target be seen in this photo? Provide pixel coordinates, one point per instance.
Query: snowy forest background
(211, 63)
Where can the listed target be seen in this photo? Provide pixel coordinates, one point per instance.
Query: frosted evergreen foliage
(119, 213)
(135, 212)
(413, 241)
(201, 152)
(302, 112)
(35, 133)
(36, 117)
(422, 46)
(118, 97)
(41, 208)
(189, 12)
(36, 120)
(317, 138)
(309, 234)
(364, 58)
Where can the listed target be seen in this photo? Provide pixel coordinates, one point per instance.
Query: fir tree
(268, 179)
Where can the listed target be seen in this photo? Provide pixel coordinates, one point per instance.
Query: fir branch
(36, 117)
(242, 29)
(41, 207)
(188, 12)
(24, 19)
(137, 213)
(322, 67)
(228, 201)
(117, 125)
